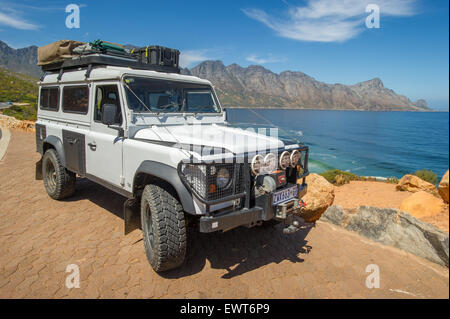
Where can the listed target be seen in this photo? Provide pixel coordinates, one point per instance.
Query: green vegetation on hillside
(19, 88)
(427, 175)
(338, 177)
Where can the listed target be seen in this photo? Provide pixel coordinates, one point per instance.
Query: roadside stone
(422, 204)
(318, 198)
(335, 215)
(412, 183)
(443, 187)
(394, 228)
(12, 122)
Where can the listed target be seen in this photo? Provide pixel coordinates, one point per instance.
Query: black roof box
(92, 60)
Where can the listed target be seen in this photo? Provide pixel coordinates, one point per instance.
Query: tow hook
(296, 222)
(292, 228)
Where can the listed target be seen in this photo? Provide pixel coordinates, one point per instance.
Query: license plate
(284, 195)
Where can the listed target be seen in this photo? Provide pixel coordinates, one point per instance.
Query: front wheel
(163, 227)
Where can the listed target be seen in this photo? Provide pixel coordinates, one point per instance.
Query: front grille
(202, 179)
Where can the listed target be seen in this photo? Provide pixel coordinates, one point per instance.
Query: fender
(57, 144)
(170, 175)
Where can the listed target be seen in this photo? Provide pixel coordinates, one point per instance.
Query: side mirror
(109, 113)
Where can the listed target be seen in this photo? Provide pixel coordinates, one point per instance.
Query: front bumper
(263, 211)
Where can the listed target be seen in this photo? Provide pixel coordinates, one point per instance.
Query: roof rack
(91, 60)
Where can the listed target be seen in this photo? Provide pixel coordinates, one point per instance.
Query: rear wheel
(163, 227)
(59, 182)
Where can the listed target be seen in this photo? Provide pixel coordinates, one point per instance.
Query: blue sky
(326, 39)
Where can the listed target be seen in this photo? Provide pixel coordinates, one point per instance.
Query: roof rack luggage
(68, 54)
(92, 60)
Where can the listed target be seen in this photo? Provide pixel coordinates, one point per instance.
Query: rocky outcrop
(319, 197)
(443, 188)
(21, 60)
(412, 183)
(394, 228)
(11, 122)
(422, 204)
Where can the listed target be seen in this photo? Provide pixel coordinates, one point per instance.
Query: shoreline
(331, 109)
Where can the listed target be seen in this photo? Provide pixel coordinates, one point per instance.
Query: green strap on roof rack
(103, 46)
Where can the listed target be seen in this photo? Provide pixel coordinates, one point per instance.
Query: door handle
(93, 146)
(72, 141)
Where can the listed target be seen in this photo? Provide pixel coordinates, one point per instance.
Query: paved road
(39, 237)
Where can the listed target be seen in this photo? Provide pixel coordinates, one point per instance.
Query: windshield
(151, 95)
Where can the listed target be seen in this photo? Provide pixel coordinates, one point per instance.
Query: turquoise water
(382, 144)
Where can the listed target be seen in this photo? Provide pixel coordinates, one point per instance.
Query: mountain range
(256, 86)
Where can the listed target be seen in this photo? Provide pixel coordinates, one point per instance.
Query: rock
(443, 188)
(335, 215)
(12, 122)
(318, 198)
(412, 183)
(395, 228)
(422, 204)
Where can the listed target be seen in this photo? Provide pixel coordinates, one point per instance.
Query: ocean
(381, 144)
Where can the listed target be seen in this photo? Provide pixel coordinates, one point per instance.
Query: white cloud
(329, 20)
(189, 57)
(260, 60)
(16, 22)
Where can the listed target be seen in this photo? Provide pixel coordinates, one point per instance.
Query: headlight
(285, 160)
(270, 163)
(195, 175)
(223, 178)
(257, 163)
(295, 157)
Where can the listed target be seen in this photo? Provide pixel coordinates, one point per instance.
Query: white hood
(236, 140)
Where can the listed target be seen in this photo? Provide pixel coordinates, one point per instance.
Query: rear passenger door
(103, 145)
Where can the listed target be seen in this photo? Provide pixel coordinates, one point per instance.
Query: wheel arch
(55, 143)
(148, 171)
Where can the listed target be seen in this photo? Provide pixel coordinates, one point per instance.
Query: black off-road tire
(59, 182)
(163, 227)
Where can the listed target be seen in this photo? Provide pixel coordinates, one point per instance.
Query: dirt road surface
(40, 237)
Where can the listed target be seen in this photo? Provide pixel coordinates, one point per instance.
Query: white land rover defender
(161, 139)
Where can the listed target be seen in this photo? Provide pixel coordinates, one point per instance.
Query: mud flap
(131, 215)
(38, 174)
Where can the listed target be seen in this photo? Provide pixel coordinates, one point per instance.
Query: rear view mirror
(109, 113)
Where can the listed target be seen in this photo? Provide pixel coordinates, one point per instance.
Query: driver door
(103, 146)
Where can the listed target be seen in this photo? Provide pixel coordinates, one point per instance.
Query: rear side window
(75, 99)
(49, 99)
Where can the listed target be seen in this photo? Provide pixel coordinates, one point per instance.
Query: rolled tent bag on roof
(57, 51)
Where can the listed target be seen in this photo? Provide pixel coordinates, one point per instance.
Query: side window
(76, 99)
(49, 99)
(107, 94)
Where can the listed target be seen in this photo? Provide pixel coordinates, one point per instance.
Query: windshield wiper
(167, 106)
(203, 107)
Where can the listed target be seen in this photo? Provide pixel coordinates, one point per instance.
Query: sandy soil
(379, 194)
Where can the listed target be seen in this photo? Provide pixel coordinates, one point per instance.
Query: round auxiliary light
(257, 163)
(295, 157)
(270, 163)
(223, 178)
(285, 160)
